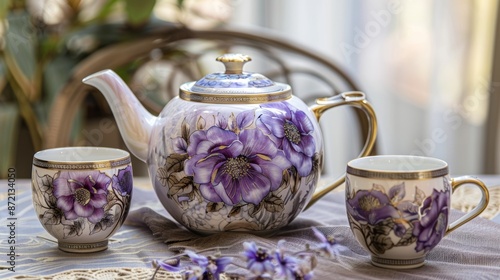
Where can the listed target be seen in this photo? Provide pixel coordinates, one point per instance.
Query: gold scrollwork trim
(81, 166)
(232, 98)
(412, 175)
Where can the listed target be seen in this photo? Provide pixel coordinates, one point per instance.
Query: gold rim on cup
(397, 167)
(79, 164)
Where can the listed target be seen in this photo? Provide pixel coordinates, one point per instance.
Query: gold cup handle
(483, 203)
(352, 98)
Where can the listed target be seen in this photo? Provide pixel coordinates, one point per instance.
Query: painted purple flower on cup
(432, 225)
(371, 206)
(232, 168)
(292, 131)
(81, 194)
(123, 181)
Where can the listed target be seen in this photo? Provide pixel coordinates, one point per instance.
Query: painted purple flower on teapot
(234, 168)
(234, 151)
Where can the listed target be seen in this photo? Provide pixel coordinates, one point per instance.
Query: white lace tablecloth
(149, 234)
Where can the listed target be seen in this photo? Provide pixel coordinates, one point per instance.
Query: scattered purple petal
(171, 265)
(259, 261)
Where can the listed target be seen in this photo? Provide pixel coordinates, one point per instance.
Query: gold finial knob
(234, 62)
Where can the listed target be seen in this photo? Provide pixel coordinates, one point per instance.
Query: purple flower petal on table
(329, 245)
(172, 266)
(286, 266)
(218, 265)
(259, 260)
(199, 260)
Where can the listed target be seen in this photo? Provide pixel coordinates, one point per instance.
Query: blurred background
(429, 68)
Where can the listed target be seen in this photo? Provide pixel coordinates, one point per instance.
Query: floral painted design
(232, 168)
(292, 131)
(432, 226)
(220, 80)
(386, 219)
(83, 201)
(371, 206)
(81, 195)
(240, 163)
(123, 181)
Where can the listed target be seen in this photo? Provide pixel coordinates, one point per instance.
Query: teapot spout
(134, 121)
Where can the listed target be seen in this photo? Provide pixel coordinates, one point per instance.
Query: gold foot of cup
(83, 247)
(398, 264)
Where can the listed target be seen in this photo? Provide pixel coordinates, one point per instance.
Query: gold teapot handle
(352, 98)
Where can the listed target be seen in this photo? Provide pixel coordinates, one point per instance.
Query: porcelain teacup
(398, 206)
(82, 195)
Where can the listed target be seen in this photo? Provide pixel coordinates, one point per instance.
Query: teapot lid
(234, 86)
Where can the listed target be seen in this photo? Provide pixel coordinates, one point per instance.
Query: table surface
(133, 248)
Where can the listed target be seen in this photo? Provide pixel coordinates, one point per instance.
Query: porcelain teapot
(234, 151)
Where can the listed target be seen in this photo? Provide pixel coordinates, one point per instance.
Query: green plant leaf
(9, 125)
(180, 4)
(106, 9)
(3, 76)
(139, 11)
(56, 74)
(4, 8)
(20, 56)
